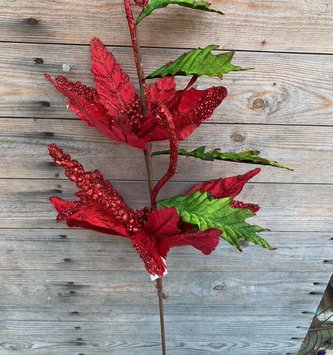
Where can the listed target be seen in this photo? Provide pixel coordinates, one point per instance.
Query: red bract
(114, 107)
(229, 187)
(101, 208)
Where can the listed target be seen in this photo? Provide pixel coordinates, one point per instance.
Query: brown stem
(142, 84)
(149, 168)
(159, 287)
(137, 53)
(147, 153)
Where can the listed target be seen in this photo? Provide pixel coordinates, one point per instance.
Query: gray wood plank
(283, 88)
(292, 25)
(284, 207)
(23, 144)
(146, 345)
(87, 250)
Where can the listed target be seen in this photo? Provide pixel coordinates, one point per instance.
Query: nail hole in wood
(32, 21)
(39, 60)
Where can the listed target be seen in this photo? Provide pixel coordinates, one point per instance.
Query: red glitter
(249, 206)
(94, 188)
(141, 3)
(165, 120)
(115, 109)
(101, 208)
(229, 187)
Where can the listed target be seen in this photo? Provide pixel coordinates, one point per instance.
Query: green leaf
(199, 62)
(205, 212)
(250, 156)
(158, 4)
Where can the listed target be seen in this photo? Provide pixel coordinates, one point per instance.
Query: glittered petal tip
(95, 189)
(227, 187)
(89, 216)
(146, 247)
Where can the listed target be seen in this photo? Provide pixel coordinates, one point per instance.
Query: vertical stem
(159, 287)
(149, 168)
(147, 153)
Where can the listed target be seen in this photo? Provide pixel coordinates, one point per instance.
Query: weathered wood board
(65, 291)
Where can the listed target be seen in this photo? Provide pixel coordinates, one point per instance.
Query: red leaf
(227, 187)
(205, 241)
(90, 216)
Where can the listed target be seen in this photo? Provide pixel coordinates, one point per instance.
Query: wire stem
(159, 287)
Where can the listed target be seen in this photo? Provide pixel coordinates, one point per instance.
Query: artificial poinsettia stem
(147, 153)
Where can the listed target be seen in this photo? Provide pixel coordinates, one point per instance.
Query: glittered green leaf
(158, 4)
(199, 62)
(250, 156)
(205, 212)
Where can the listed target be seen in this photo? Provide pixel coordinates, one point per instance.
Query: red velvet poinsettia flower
(114, 107)
(101, 208)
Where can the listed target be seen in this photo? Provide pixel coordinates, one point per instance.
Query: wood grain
(283, 88)
(48, 250)
(306, 149)
(284, 207)
(293, 25)
(70, 291)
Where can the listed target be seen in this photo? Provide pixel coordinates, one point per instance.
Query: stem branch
(147, 153)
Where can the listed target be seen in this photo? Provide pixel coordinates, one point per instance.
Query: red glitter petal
(115, 90)
(146, 247)
(89, 216)
(189, 108)
(94, 188)
(162, 222)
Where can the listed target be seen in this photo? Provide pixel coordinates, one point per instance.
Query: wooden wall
(65, 291)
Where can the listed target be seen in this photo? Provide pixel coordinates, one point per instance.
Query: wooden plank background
(65, 291)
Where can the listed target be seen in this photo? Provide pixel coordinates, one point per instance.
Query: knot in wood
(219, 287)
(258, 104)
(238, 138)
